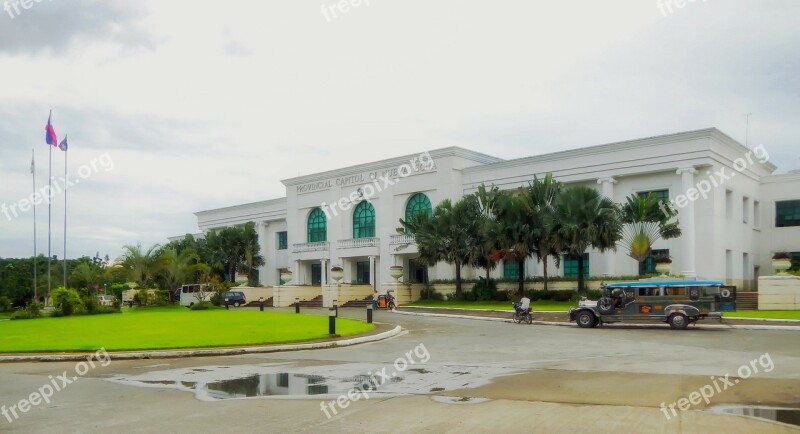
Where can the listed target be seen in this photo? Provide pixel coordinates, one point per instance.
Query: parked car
(678, 303)
(105, 300)
(235, 298)
(188, 295)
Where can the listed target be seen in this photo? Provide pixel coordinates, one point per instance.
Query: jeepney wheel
(586, 319)
(678, 321)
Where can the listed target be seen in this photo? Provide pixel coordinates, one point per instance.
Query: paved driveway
(462, 375)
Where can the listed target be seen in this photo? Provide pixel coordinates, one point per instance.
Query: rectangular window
(571, 266)
(745, 209)
(661, 195)
(675, 290)
(362, 272)
(283, 380)
(648, 266)
(756, 214)
(283, 240)
(787, 213)
(511, 269)
(729, 204)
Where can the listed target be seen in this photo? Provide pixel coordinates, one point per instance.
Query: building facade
(734, 213)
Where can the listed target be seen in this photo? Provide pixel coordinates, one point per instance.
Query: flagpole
(49, 207)
(33, 176)
(66, 183)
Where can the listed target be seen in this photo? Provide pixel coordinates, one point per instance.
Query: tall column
(261, 228)
(295, 275)
(686, 215)
(607, 190)
(324, 278)
(372, 271)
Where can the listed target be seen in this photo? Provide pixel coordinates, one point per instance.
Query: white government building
(734, 213)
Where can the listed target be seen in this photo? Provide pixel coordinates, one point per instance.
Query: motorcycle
(522, 315)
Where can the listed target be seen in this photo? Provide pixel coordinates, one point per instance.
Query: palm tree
(179, 268)
(540, 198)
(583, 218)
(87, 275)
(515, 232)
(484, 251)
(447, 235)
(646, 220)
(251, 256)
(140, 264)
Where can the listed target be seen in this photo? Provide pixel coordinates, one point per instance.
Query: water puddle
(286, 380)
(790, 416)
(459, 399)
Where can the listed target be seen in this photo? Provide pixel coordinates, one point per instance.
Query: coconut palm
(516, 240)
(540, 196)
(86, 275)
(448, 235)
(583, 218)
(179, 268)
(484, 251)
(140, 264)
(646, 220)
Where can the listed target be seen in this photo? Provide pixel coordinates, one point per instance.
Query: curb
(568, 324)
(169, 354)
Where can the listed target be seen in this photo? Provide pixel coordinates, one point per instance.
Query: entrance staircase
(314, 302)
(359, 303)
(746, 300)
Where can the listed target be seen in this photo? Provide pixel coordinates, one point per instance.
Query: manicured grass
(161, 328)
(770, 314)
(4, 315)
(539, 305)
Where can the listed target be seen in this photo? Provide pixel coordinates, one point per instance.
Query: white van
(188, 295)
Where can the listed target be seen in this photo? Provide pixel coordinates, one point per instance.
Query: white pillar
(324, 278)
(607, 190)
(686, 216)
(261, 228)
(295, 275)
(372, 271)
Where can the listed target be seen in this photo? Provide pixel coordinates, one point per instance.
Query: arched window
(317, 226)
(418, 204)
(364, 220)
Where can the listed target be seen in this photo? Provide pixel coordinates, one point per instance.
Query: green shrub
(162, 298)
(90, 304)
(5, 304)
(429, 294)
(502, 296)
(484, 290)
(33, 310)
(562, 295)
(57, 313)
(200, 306)
(216, 298)
(66, 300)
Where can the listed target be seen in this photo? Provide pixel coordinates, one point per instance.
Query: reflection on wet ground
(281, 380)
(789, 416)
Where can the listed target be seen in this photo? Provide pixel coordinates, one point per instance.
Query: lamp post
(297, 305)
(337, 273)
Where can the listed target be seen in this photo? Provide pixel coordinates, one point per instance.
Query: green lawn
(161, 328)
(539, 305)
(771, 314)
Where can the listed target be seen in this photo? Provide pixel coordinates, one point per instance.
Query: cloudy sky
(192, 105)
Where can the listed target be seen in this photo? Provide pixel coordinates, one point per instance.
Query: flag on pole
(63, 145)
(51, 133)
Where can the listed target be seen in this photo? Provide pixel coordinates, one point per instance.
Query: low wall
(405, 293)
(566, 285)
(252, 293)
(344, 293)
(284, 296)
(779, 292)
